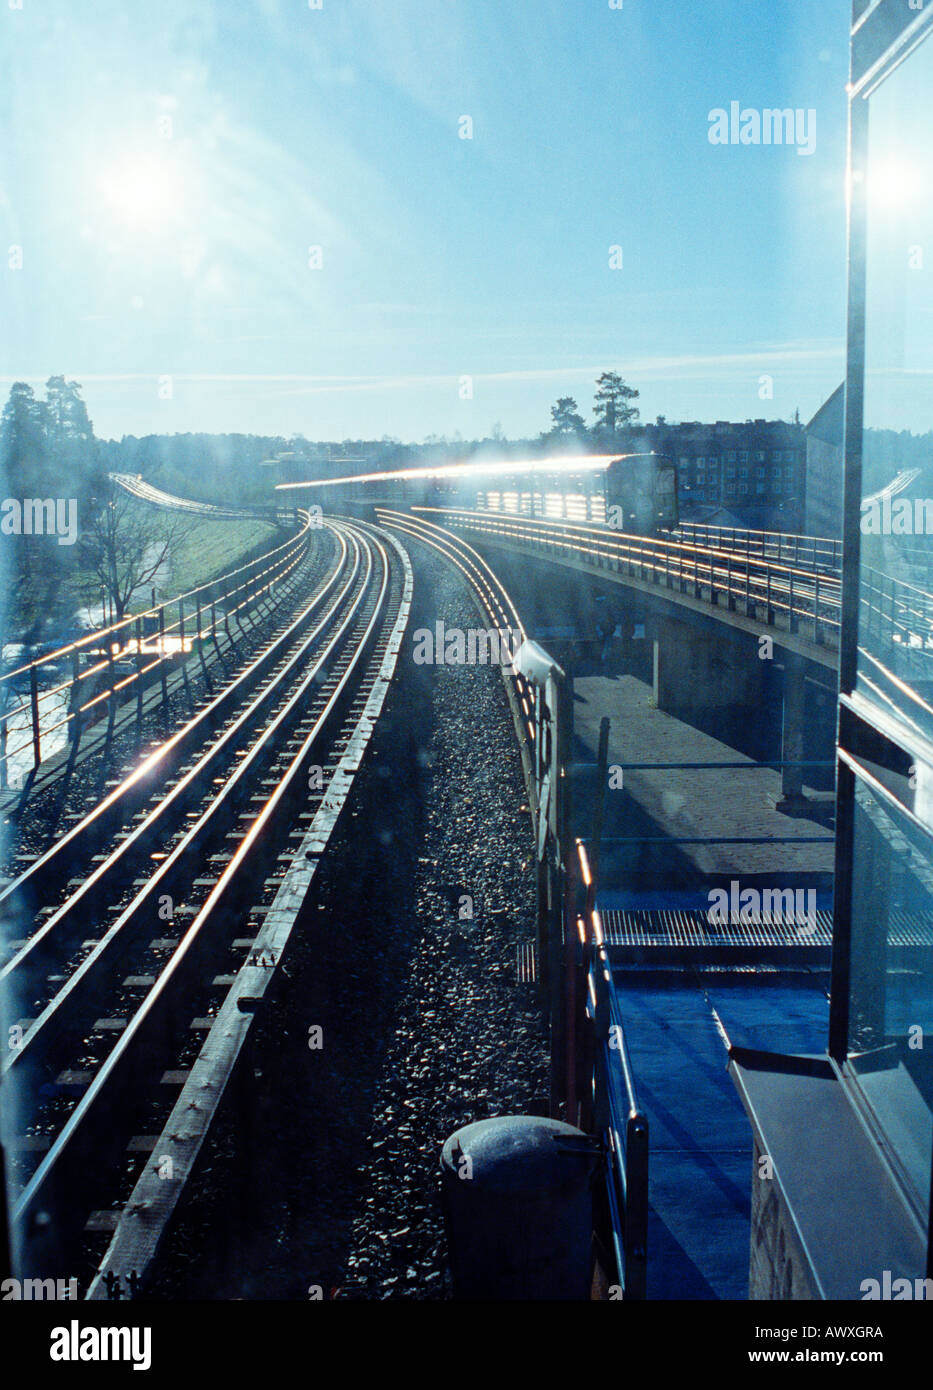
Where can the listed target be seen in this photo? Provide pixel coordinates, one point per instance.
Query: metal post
(162, 653)
(34, 704)
(207, 677)
(139, 672)
(816, 608)
(112, 694)
(78, 718)
(183, 653)
(236, 609)
(599, 812)
(74, 695)
(227, 616)
(791, 620)
(214, 625)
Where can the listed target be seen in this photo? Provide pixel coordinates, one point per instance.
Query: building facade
(754, 471)
(823, 489)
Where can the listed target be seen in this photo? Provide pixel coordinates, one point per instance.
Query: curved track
(117, 1012)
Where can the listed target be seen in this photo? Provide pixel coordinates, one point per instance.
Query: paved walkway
(685, 804)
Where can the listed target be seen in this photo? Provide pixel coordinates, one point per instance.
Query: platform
(681, 828)
(688, 986)
(700, 1170)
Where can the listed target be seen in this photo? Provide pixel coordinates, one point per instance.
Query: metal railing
(137, 487)
(816, 552)
(611, 1107)
(108, 662)
(778, 595)
(896, 617)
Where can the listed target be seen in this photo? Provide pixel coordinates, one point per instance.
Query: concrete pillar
(696, 672)
(792, 741)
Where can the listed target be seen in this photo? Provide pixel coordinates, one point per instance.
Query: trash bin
(517, 1193)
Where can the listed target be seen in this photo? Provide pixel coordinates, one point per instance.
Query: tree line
(615, 415)
(52, 464)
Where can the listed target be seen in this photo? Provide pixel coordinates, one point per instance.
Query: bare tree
(127, 542)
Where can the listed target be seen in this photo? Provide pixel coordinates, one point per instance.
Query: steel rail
(177, 743)
(484, 580)
(135, 1242)
(143, 1033)
(49, 1030)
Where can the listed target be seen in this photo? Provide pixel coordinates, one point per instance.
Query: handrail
(215, 603)
(617, 1117)
(736, 537)
(99, 633)
(798, 593)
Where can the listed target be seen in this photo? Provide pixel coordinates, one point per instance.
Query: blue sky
(166, 168)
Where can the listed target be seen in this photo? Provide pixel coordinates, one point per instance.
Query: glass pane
(891, 990)
(896, 626)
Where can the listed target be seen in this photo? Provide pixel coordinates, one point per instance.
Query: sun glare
(891, 185)
(143, 191)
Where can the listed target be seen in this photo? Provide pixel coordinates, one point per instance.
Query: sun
(891, 186)
(143, 190)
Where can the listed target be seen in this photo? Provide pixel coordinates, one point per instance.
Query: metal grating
(644, 929)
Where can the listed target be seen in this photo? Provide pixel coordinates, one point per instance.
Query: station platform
(672, 833)
(678, 1023)
(686, 986)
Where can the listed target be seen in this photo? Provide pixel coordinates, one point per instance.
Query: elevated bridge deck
(755, 582)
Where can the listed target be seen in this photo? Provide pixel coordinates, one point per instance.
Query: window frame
(882, 39)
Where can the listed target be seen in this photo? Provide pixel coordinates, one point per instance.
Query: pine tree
(613, 409)
(567, 422)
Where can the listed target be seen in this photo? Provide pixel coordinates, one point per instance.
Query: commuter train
(634, 493)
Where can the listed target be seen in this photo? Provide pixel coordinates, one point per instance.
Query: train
(635, 493)
(631, 493)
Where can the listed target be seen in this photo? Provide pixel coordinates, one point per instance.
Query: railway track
(137, 988)
(162, 784)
